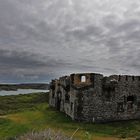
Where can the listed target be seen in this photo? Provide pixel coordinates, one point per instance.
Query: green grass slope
(32, 113)
(16, 103)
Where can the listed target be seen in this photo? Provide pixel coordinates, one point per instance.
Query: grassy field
(26, 113)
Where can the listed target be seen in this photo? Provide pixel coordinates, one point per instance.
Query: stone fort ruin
(92, 97)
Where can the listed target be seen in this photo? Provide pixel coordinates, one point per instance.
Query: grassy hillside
(33, 113)
(12, 103)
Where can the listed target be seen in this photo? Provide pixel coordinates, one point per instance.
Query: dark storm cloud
(26, 66)
(26, 60)
(16, 59)
(44, 39)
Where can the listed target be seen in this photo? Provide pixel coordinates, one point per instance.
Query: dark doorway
(58, 104)
(130, 102)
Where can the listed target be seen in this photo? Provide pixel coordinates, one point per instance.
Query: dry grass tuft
(44, 135)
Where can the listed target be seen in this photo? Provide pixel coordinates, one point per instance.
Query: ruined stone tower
(92, 97)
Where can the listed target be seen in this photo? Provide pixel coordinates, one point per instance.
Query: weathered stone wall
(93, 98)
(120, 98)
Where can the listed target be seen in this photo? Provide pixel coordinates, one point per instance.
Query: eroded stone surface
(92, 97)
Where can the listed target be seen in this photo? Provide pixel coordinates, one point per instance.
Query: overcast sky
(43, 39)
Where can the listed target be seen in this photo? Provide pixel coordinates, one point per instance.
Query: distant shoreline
(22, 91)
(15, 87)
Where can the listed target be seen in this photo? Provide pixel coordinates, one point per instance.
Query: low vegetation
(12, 103)
(24, 114)
(44, 135)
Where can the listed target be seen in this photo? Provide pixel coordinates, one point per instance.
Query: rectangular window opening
(119, 78)
(130, 98)
(133, 78)
(126, 78)
(83, 78)
(53, 94)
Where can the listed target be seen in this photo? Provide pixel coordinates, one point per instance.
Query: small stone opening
(126, 78)
(108, 95)
(83, 78)
(71, 106)
(67, 98)
(120, 107)
(133, 78)
(130, 102)
(119, 79)
(67, 88)
(53, 94)
(130, 98)
(59, 95)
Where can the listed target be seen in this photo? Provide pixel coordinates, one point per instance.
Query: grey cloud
(129, 25)
(50, 38)
(27, 60)
(27, 66)
(88, 34)
(16, 59)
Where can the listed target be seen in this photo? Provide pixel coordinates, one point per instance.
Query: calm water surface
(21, 91)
